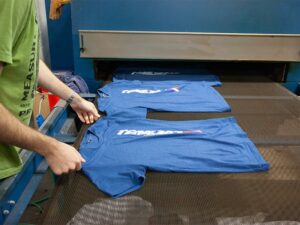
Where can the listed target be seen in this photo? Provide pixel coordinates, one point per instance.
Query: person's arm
(61, 157)
(85, 110)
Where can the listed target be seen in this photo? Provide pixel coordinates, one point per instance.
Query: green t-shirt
(19, 48)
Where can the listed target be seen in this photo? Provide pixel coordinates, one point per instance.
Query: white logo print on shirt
(149, 91)
(141, 91)
(157, 132)
(154, 73)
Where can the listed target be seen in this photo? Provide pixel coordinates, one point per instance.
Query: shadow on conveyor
(267, 112)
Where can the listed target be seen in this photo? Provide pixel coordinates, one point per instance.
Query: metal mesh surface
(199, 198)
(252, 89)
(195, 198)
(266, 121)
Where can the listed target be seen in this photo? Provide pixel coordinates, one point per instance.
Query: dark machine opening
(227, 71)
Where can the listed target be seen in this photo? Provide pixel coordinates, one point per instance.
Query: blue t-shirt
(119, 152)
(137, 97)
(166, 74)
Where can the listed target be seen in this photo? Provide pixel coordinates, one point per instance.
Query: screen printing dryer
(251, 68)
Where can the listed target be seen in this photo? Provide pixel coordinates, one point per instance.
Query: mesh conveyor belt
(266, 121)
(202, 197)
(176, 198)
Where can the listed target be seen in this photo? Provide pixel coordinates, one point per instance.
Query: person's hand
(85, 110)
(62, 158)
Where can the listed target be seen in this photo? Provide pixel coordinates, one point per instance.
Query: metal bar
(190, 33)
(190, 46)
(15, 215)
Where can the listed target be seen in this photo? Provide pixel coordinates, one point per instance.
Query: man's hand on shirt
(63, 158)
(85, 110)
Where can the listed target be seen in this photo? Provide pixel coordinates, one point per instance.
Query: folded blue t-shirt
(119, 152)
(166, 74)
(139, 96)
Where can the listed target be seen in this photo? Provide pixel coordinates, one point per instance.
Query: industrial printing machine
(251, 68)
(265, 110)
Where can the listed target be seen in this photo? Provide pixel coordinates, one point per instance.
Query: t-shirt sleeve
(6, 30)
(117, 180)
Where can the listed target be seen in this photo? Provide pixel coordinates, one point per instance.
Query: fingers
(65, 160)
(81, 117)
(86, 112)
(57, 171)
(67, 169)
(79, 160)
(72, 166)
(78, 166)
(86, 118)
(60, 171)
(91, 117)
(95, 113)
(82, 159)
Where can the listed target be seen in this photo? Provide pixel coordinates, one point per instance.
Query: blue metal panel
(294, 72)
(250, 16)
(84, 67)
(29, 179)
(292, 86)
(60, 40)
(293, 77)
